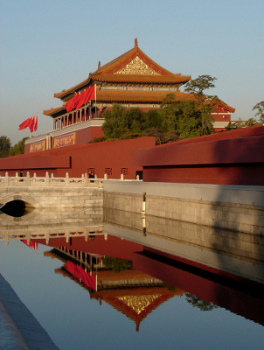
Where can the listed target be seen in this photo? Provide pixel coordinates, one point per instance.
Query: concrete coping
(247, 195)
(10, 337)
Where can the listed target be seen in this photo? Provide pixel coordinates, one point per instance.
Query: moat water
(95, 290)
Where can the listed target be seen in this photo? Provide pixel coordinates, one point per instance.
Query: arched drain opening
(17, 208)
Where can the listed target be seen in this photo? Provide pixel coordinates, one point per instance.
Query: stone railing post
(137, 177)
(6, 179)
(67, 180)
(28, 178)
(35, 177)
(122, 177)
(85, 181)
(105, 176)
(47, 179)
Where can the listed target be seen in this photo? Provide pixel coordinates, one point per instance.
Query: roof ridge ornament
(136, 42)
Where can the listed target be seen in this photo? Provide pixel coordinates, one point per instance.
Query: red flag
(36, 124)
(87, 95)
(32, 123)
(25, 124)
(72, 103)
(80, 99)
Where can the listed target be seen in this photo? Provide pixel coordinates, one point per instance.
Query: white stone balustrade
(48, 180)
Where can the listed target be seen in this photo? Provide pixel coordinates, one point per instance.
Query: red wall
(231, 158)
(77, 159)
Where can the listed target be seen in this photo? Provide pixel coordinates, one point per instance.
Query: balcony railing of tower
(82, 114)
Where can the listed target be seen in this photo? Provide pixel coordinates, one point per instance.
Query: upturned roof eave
(71, 90)
(52, 111)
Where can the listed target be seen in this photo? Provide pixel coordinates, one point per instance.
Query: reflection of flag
(78, 272)
(32, 245)
(25, 124)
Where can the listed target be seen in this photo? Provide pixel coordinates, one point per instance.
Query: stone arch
(22, 197)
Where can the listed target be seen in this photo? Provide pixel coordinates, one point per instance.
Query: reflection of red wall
(113, 246)
(231, 158)
(232, 292)
(77, 159)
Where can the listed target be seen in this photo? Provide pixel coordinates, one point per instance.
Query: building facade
(132, 80)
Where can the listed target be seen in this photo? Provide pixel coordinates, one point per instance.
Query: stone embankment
(227, 219)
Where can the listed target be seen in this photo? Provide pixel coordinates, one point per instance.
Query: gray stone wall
(236, 208)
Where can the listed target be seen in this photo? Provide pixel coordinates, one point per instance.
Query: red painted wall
(77, 159)
(231, 158)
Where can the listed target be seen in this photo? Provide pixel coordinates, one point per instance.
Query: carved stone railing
(47, 180)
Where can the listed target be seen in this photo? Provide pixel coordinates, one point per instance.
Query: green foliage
(260, 111)
(18, 148)
(251, 122)
(161, 137)
(241, 123)
(174, 120)
(5, 146)
(197, 86)
(117, 265)
(98, 139)
(186, 118)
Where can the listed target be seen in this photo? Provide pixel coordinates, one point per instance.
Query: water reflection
(135, 279)
(136, 273)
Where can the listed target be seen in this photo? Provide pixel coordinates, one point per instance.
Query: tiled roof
(126, 96)
(137, 96)
(222, 105)
(115, 64)
(125, 78)
(106, 73)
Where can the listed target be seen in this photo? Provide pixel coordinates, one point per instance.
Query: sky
(50, 45)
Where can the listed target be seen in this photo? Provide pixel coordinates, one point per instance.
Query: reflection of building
(132, 292)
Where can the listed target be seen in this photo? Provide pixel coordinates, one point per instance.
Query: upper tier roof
(134, 66)
(130, 97)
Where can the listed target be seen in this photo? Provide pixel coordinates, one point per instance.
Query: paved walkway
(19, 329)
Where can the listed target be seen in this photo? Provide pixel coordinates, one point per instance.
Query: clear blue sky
(51, 45)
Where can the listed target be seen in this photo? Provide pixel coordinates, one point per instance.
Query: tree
(18, 148)
(5, 145)
(196, 87)
(251, 122)
(116, 264)
(260, 111)
(185, 118)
